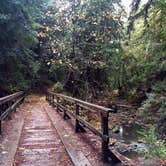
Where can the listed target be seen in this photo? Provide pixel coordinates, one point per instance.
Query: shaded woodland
(93, 50)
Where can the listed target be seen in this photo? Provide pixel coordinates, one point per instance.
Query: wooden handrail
(81, 123)
(10, 97)
(83, 104)
(9, 104)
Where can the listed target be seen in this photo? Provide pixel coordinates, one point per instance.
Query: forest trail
(39, 143)
(37, 135)
(45, 141)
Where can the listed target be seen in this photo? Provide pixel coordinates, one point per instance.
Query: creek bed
(127, 141)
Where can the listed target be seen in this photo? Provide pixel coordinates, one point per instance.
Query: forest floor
(126, 128)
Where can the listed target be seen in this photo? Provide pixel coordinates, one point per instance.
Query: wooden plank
(116, 157)
(77, 157)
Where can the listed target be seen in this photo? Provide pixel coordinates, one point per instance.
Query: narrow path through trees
(39, 142)
(47, 140)
(38, 136)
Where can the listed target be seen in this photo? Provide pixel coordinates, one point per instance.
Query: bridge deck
(38, 136)
(47, 140)
(39, 143)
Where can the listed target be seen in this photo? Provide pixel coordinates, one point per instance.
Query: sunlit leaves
(82, 35)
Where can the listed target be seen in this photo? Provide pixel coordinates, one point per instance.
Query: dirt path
(40, 144)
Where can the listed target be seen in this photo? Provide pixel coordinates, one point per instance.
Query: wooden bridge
(51, 131)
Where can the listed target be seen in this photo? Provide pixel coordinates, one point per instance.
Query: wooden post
(9, 114)
(0, 126)
(52, 102)
(105, 132)
(76, 121)
(49, 99)
(64, 112)
(14, 109)
(78, 127)
(57, 107)
(1, 106)
(46, 96)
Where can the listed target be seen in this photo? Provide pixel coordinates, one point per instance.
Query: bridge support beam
(76, 121)
(105, 140)
(78, 127)
(0, 127)
(57, 107)
(106, 152)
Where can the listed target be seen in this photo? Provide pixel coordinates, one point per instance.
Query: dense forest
(96, 50)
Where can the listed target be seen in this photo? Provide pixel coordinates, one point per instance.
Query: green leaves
(18, 39)
(83, 36)
(156, 147)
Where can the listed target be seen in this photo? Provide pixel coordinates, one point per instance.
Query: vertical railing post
(14, 100)
(105, 139)
(76, 121)
(52, 102)
(57, 102)
(51, 99)
(0, 127)
(14, 109)
(9, 106)
(64, 111)
(0, 119)
(47, 96)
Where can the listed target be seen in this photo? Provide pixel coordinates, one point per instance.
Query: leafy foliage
(18, 41)
(156, 147)
(82, 39)
(82, 47)
(58, 87)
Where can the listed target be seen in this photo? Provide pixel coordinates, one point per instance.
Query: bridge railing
(8, 104)
(61, 102)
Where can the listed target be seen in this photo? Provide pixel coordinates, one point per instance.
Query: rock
(141, 141)
(130, 122)
(4, 152)
(116, 129)
(122, 141)
(112, 141)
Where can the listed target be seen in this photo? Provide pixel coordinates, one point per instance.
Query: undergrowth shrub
(58, 87)
(156, 147)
